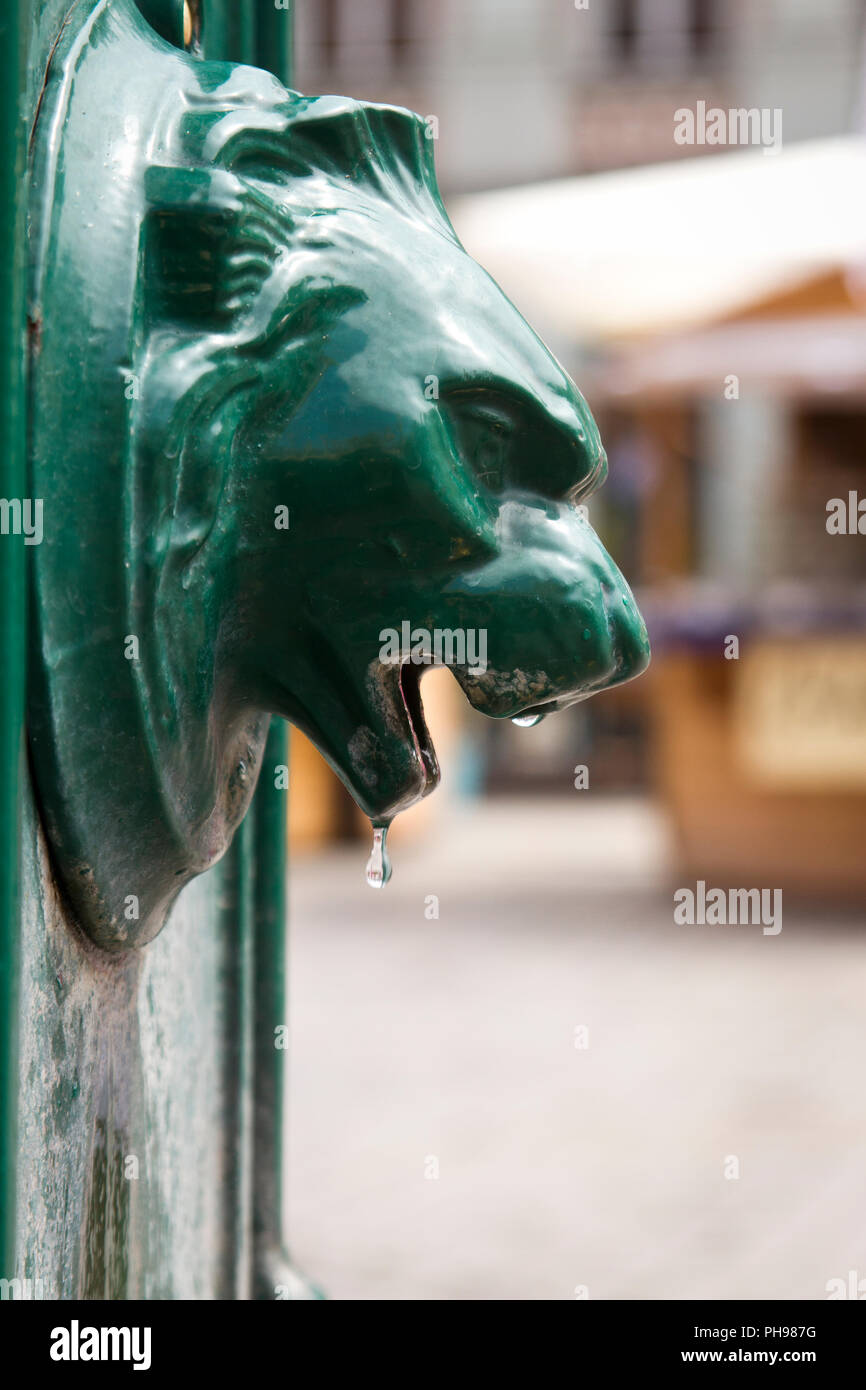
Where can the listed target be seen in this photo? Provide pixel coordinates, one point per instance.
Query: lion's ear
(209, 243)
(385, 148)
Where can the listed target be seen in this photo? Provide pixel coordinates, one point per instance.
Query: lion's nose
(629, 637)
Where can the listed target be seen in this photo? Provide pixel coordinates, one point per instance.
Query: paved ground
(451, 1042)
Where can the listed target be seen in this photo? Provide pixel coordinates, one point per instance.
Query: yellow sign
(800, 713)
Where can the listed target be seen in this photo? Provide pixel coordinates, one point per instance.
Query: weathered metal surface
(13, 484)
(151, 1088)
(129, 1093)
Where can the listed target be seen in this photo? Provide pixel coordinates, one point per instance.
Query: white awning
(671, 246)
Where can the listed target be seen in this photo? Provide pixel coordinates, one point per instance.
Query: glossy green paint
(294, 415)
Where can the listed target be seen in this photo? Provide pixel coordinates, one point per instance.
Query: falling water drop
(527, 721)
(379, 864)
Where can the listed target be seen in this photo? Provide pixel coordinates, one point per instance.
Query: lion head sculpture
(296, 415)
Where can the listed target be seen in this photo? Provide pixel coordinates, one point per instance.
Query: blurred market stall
(714, 312)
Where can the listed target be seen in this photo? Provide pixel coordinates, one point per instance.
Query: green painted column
(251, 31)
(260, 32)
(13, 131)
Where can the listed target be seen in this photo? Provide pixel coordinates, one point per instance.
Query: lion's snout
(560, 619)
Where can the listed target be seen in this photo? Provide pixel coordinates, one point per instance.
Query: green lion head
(327, 450)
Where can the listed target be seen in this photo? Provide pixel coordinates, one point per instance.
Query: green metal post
(269, 898)
(228, 32)
(257, 31)
(251, 31)
(274, 33)
(12, 589)
(269, 907)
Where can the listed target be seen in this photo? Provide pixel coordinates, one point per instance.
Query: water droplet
(527, 721)
(379, 864)
(586, 634)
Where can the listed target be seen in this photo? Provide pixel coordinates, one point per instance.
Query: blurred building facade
(536, 89)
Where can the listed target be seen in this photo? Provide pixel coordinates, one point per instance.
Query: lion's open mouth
(400, 687)
(410, 692)
(547, 622)
(389, 761)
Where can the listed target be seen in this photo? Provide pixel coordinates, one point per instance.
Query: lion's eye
(512, 444)
(484, 438)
